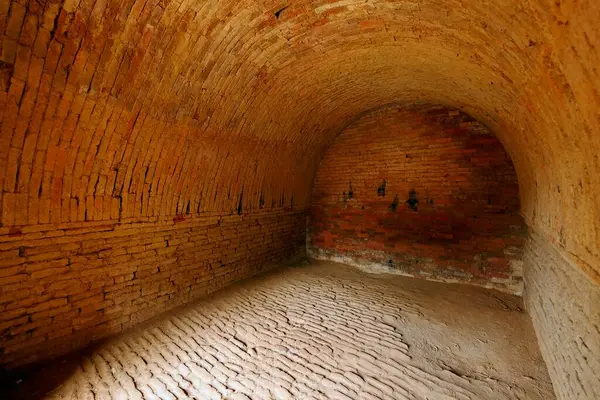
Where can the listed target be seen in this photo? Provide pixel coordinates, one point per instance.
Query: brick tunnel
(233, 198)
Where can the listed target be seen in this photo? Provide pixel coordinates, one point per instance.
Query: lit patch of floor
(321, 331)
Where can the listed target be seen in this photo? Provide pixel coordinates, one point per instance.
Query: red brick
(464, 210)
(47, 305)
(188, 118)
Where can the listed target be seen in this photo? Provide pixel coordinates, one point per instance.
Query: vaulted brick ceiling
(132, 109)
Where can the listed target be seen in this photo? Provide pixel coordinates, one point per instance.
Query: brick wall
(425, 191)
(62, 286)
(563, 304)
(137, 109)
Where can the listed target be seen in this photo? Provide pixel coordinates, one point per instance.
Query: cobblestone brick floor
(316, 331)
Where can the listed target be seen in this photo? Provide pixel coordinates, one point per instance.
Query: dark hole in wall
(6, 71)
(240, 203)
(412, 200)
(278, 12)
(381, 189)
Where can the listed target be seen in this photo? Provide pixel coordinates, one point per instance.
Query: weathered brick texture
(120, 195)
(425, 191)
(563, 304)
(62, 286)
(140, 110)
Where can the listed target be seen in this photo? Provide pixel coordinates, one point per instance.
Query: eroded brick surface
(424, 191)
(563, 303)
(324, 332)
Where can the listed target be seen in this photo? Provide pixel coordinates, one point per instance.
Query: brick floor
(313, 332)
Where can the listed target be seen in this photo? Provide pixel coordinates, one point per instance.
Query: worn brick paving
(322, 331)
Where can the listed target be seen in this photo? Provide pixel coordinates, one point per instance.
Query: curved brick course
(106, 106)
(140, 115)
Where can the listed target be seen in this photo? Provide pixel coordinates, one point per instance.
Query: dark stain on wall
(394, 205)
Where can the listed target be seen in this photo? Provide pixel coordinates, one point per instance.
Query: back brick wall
(64, 285)
(424, 191)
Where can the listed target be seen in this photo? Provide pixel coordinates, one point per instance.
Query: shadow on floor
(43, 378)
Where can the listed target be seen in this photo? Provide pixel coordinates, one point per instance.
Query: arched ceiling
(169, 106)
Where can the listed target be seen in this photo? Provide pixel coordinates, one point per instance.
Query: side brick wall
(63, 286)
(564, 306)
(428, 192)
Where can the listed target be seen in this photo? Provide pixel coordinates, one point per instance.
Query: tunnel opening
(448, 207)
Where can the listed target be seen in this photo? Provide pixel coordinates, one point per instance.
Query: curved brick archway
(136, 131)
(106, 101)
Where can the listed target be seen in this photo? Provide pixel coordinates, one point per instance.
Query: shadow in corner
(42, 378)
